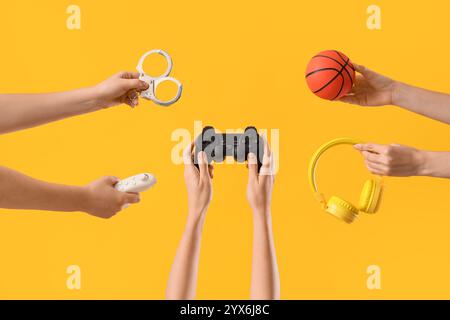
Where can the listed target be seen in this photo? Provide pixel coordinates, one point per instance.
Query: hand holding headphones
(371, 193)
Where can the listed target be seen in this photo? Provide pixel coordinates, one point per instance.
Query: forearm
(20, 111)
(265, 281)
(428, 103)
(435, 164)
(182, 284)
(18, 191)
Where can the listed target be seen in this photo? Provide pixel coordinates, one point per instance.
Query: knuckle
(106, 215)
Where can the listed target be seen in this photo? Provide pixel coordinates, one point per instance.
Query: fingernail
(144, 85)
(357, 146)
(126, 205)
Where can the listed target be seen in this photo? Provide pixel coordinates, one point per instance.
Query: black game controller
(217, 146)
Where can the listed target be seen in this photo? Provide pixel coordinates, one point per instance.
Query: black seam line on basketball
(350, 64)
(342, 85)
(322, 56)
(334, 78)
(346, 71)
(322, 69)
(340, 56)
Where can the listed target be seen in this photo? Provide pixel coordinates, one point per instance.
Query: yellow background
(242, 63)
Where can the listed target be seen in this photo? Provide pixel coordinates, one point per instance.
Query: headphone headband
(315, 158)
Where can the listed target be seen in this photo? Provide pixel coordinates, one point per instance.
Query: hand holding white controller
(135, 184)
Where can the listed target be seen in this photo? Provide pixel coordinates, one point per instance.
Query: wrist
(195, 222)
(93, 98)
(262, 213)
(426, 163)
(196, 214)
(83, 198)
(398, 93)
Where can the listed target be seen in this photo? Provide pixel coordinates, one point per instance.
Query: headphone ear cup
(342, 209)
(370, 198)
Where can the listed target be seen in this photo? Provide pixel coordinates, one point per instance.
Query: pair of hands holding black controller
(199, 171)
(210, 146)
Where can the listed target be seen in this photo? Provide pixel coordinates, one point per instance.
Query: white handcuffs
(153, 82)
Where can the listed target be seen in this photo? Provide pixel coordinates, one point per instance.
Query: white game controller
(137, 183)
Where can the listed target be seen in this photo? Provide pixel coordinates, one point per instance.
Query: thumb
(252, 166)
(134, 84)
(203, 164)
(110, 180)
(371, 147)
(364, 147)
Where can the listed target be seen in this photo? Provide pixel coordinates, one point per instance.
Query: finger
(132, 98)
(128, 75)
(361, 84)
(362, 69)
(370, 156)
(352, 99)
(134, 84)
(131, 198)
(376, 172)
(398, 145)
(267, 150)
(187, 154)
(267, 162)
(252, 164)
(211, 170)
(366, 72)
(376, 168)
(371, 147)
(110, 180)
(375, 157)
(131, 103)
(203, 165)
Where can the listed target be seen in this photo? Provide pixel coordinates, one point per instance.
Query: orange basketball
(330, 74)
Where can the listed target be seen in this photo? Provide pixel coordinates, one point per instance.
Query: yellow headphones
(369, 200)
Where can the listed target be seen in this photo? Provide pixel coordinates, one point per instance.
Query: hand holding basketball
(370, 89)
